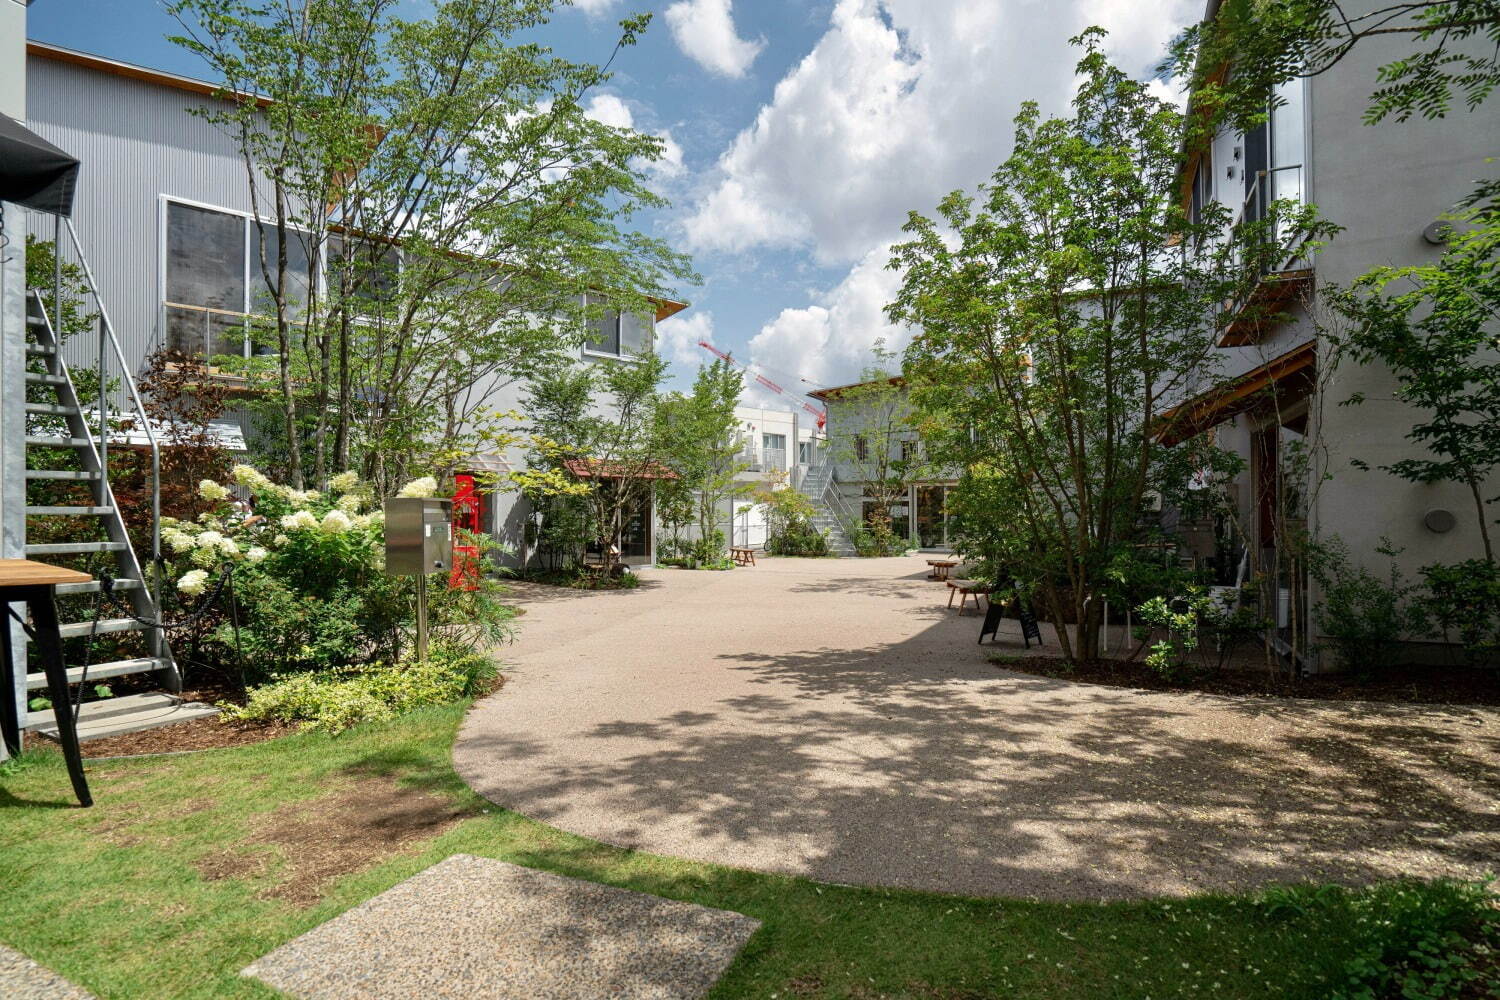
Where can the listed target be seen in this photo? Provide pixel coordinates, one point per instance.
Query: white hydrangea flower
(344, 481)
(256, 554)
(193, 582)
(350, 503)
(280, 540)
(299, 519)
(212, 491)
(178, 540)
(424, 487)
(361, 521)
(210, 540)
(250, 477)
(336, 522)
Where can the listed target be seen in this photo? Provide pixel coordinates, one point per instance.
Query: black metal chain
(106, 587)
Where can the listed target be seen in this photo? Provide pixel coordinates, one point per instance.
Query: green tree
(440, 176)
(1073, 305)
(1267, 42)
(878, 441)
(699, 439)
(603, 422)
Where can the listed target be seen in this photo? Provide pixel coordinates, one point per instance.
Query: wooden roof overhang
(1281, 381)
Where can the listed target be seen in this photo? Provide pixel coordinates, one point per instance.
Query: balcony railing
(1271, 277)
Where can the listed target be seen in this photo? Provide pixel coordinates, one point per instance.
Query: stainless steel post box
(418, 536)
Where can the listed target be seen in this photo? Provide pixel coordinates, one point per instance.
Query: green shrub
(1202, 628)
(789, 527)
(1431, 941)
(334, 700)
(1464, 600)
(1363, 616)
(310, 581)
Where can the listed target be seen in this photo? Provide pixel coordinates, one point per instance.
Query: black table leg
(10, 722)
(49, 646)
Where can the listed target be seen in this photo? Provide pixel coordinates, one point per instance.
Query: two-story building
(164, 212)
(1278, 400)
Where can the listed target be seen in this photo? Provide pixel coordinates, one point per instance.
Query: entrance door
(932, 522)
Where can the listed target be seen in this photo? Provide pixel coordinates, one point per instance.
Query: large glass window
(263, 269)
(773, 447)
(205, 258)
(214, 283)
(603, 329)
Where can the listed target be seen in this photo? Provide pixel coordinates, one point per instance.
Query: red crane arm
(710, 348)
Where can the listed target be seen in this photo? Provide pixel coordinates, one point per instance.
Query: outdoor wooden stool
(34, 583)
(743, 556)
(941, 568)
(966, 589)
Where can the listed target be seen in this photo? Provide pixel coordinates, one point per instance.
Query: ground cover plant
(190, 867)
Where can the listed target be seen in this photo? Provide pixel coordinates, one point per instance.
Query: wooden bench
(941, 568)
(742, 555)
(966, 589)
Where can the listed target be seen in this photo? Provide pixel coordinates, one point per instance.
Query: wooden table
(941, 568)
(742, 555)
(22, 580)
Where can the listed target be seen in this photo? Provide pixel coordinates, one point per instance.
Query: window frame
(251, 274)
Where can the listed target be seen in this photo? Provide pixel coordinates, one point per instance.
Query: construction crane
(820, 414)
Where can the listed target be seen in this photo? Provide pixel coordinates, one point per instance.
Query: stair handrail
(140, 407)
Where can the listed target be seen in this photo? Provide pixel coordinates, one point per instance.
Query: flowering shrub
(309, 576)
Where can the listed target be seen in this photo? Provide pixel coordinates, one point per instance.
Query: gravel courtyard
(831, 718)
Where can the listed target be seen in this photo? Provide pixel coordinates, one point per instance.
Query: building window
(214, 284)
(861, 448)
(614, 334)
(773, 446)
(911, 451)
(804, 453)
(603, 330)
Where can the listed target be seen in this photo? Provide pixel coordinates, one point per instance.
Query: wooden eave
(1265, 308)
(1283, 379)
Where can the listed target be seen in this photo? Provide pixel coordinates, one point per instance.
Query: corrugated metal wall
(137, 141)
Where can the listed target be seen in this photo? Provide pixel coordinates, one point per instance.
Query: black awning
(33, 172)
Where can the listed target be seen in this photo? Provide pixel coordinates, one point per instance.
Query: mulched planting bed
(199, 734)
(1418, 685)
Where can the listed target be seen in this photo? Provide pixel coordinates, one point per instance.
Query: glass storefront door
(931, 520)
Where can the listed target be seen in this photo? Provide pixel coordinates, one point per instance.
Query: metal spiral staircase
(61, 446)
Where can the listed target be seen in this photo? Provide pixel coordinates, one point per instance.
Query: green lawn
(115, 899)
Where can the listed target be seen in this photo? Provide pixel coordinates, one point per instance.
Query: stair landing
(129, 714)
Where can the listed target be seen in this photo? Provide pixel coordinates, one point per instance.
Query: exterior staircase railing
(84, 429)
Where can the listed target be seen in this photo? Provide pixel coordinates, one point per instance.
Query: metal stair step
(100, 671)
(68, 511)
(39, 351)
(59, 474)
(57, 441)
(32, 319)
(74, 630)
(51, 409)
(39, 378)
(92, 587)
(74, 548)
(131, 714)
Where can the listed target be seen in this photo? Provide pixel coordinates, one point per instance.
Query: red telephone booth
(468, 516)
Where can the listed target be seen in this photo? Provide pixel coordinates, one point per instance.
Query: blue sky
(806, 130)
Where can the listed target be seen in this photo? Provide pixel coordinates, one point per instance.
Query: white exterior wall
(1384, 184)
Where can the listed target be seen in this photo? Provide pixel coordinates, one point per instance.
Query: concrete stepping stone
(23, 979)
(477, 927)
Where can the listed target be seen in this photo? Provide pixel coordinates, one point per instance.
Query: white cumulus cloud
(704, 30)
(611, 110)
(677, 338)
(593, 8)
(898, 103)
(831, 341)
